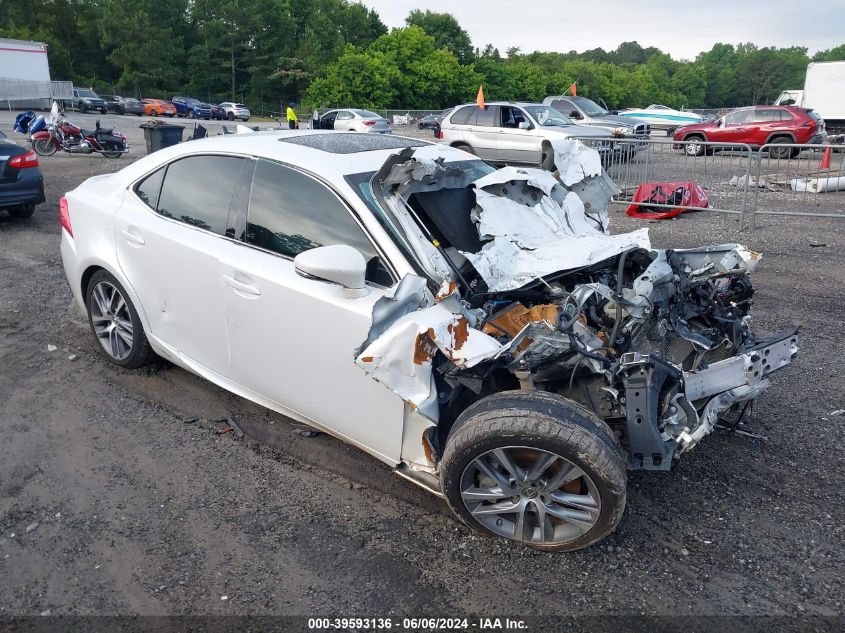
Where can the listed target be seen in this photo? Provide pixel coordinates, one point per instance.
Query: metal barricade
(798, 180)
(723, 170)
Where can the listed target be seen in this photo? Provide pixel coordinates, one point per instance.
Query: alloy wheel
(530, 495)
(111, 320)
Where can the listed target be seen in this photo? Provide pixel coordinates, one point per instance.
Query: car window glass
(487, 116)
(342, 116)
(149, 188)
(460, 117)
(198, 191)
(738, 118)
(767, 114)
(785, 115)
(511, 116)
(290, 213)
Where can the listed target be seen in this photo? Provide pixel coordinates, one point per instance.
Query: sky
(679, 27)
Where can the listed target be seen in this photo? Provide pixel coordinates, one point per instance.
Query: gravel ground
(117, 495)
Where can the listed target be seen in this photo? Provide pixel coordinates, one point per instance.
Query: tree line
(339, 53)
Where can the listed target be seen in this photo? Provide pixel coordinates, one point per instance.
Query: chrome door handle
(132, 237)
(241, 286)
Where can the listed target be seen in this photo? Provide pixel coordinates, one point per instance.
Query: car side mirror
(574, 114)
(524, 125)
(338, 264)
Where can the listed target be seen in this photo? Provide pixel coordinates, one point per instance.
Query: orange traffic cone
(825, 164)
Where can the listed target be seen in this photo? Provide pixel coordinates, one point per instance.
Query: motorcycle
(63, 135)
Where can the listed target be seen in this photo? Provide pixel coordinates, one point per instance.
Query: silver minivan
(514, 132)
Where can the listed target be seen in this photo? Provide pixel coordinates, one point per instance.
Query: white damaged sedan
(479, 330)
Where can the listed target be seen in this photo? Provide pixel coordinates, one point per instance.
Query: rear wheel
(22, 211)
(111, 150)
(780, 153)
(466, 148)
(535, 468)
(694, 145)
(115, 322)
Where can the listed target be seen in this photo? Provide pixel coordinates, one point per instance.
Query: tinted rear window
(461, 116)
(198, 191)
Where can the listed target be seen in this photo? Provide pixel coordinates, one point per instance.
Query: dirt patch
(140, 507)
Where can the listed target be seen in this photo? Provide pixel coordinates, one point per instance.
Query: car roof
(292, 147)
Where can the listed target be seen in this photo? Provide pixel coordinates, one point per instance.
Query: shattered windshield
(548, 116)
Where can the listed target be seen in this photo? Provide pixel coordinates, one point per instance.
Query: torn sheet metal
(575, 161)
(535, 226)
(401, 344)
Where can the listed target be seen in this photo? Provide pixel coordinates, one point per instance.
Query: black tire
(112, 150)
(692, 148)
(104, 111)
(191, 114)
(153, 113)
(247, 119)
(44, 147)
(547, 158)
(231, 116)
(83, 108)
(140, 352)
(466, 148)
(22, 211)
(546, 424)
(781, 153)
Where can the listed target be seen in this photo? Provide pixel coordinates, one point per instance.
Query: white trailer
(824, 92)
(24, 73)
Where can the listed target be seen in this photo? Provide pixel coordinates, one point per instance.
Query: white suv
(514, 132)
(234, 111)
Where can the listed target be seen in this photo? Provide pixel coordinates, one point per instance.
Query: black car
(123, 105)
(428, 122)
(21, 183)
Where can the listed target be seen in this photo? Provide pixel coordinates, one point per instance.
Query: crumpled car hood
(563, 305)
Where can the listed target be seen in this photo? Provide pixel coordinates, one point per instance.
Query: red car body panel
(758, 125)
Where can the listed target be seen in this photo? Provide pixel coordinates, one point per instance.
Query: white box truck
(824, 92)
(24, 73)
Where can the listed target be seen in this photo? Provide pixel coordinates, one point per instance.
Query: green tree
(446, 31)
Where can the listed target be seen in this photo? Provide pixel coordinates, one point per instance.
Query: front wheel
(191, 114)
(231, 116)
(153, 113)
(44, 147)
(694, 146)
(536, 468)
(115, 322)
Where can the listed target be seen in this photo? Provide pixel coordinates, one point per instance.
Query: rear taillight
(64, 216)
(440, 135)
(23, 161)
(369, 122)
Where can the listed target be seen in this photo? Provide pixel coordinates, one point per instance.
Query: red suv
(757, 126)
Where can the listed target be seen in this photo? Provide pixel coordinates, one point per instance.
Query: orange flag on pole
(572, 89)
(480, 98)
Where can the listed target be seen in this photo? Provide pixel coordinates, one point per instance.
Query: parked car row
(85, 100)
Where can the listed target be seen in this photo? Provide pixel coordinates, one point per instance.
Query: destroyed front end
(536, 295)
(542, 357)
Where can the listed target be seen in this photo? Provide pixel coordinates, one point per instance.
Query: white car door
(482, 132)
(168, 232)
(292, 338)
(517, 145)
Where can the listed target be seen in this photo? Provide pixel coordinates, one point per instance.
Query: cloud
(681, 29)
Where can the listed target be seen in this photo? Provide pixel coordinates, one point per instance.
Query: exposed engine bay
(535, 294)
